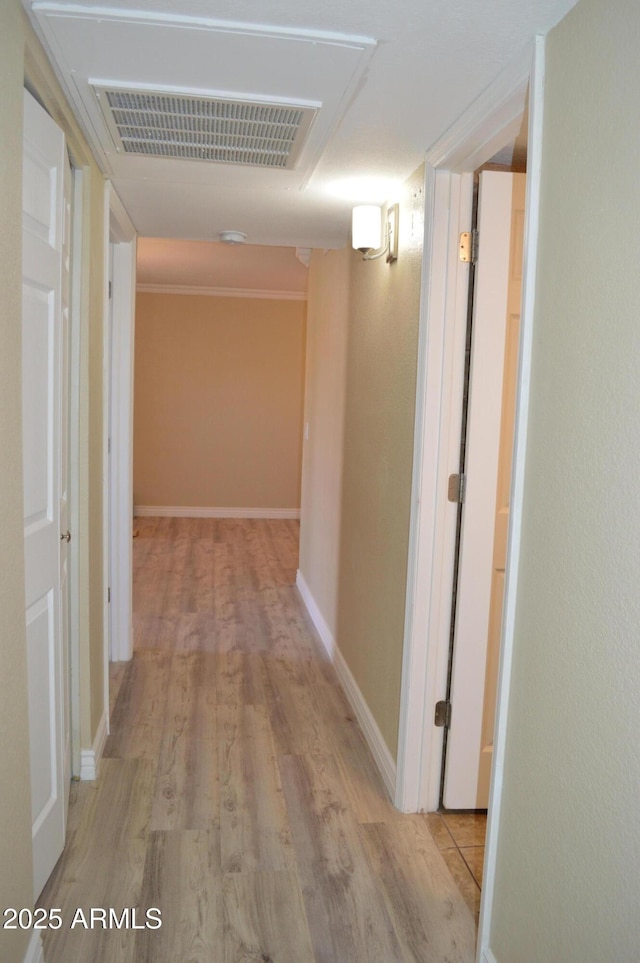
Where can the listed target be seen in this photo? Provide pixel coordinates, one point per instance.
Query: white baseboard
(90, 758)
(185, 511)
(383, 758)
(317, 617)
(487, 956)
(35, 952)
(379, 749)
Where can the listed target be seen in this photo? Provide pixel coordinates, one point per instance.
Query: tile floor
(460, 839)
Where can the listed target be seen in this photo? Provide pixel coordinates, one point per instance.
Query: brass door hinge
(456, 489)
(468, 247)
(442, 716)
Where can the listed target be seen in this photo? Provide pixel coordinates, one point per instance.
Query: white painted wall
(567, 886)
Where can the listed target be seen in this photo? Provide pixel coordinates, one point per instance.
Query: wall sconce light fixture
(366, 232)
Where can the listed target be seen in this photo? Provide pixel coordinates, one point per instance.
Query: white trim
(210, 23)
(323, 630)
(534, 164)
(121, 227)
(488, 123)
(487, 956)
(433, 519)
(77, 372)
(221, 292)
(121, 466)
(186, 511)
(379, 749)
(374, 738)
(35, 950)
(107, 389)
(88, 769)
(304, 255)
(90, 758)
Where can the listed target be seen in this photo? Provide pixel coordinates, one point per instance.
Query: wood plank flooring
(237, 793)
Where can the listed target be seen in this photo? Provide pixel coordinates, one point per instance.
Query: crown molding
(222, 292)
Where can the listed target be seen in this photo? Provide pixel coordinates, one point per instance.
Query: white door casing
(120, 312)
(45, 448)
(491, 121)
(469, 748)
(65, 547)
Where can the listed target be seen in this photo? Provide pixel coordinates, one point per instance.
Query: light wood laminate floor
(237, 793)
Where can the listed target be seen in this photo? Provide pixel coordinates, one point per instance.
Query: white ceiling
(388, 77)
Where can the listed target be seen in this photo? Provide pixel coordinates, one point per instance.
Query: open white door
(493, 374)
(45, 445)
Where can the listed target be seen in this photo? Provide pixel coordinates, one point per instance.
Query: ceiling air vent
(186, 127)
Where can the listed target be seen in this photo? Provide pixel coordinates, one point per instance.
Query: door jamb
(75, 481)
(486, 126)
(119, 413)
(107, 548)
(449, 198)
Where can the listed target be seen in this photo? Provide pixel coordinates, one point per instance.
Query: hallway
(237, 794)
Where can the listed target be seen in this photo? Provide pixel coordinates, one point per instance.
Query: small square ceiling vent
(206, 128)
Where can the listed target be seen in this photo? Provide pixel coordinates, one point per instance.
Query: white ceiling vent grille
(212, 129)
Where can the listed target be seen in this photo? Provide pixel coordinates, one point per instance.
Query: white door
(494, 359)
(45, 446)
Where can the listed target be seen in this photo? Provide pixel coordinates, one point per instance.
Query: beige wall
(218, 401)
(567, 881)
(378, 459)
(321, 511)
(16, 886)
(18, 62)
(363, 335)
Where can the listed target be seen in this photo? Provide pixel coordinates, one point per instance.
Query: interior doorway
(492, 121)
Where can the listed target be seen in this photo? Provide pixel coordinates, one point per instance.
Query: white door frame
(486, 126)
(78, 287)
(121, 236)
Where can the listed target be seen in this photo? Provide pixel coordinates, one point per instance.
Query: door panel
(45, 553)
(41, 643)
(492, 384)
(505, 459)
